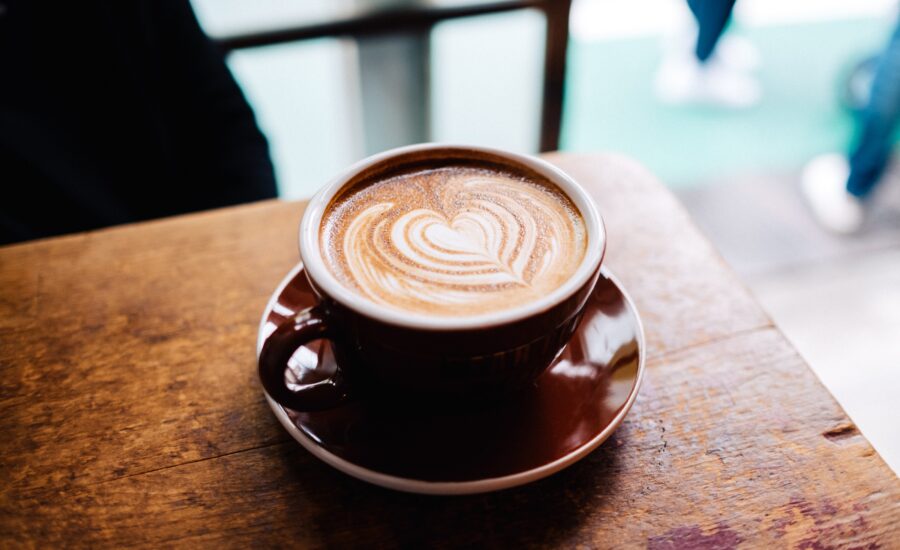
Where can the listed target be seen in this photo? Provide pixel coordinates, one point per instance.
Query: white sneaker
(682, 79)
(723, 80)
(738, 53)
(824, 185)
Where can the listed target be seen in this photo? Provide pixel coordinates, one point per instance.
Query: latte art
(453, 241)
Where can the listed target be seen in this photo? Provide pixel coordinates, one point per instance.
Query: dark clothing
(878, 122)
(116, 111)
(712, 17)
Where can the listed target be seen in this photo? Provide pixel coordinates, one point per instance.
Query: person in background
(703, 67)
(112, 112)
(835, 186)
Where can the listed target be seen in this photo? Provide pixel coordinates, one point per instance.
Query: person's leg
(878, 122)
(712, 17)
(705, 70)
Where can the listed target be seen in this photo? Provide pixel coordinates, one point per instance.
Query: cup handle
(306, 326)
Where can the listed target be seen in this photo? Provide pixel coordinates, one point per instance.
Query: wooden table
(131, 412)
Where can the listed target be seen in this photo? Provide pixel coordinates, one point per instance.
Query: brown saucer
(570, 411)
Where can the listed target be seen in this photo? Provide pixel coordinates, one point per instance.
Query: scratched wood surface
(130, 412)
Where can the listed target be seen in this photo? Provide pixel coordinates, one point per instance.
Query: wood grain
(132, 415)
(684, 291)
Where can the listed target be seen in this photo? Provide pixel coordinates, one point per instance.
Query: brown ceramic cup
(395, 356)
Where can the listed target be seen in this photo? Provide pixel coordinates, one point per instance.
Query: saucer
(569, 411)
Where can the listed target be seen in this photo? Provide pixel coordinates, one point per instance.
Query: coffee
(453, 240)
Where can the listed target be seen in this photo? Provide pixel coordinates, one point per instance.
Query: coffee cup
(441, 273)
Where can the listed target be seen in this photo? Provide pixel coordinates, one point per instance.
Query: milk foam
(453, 241)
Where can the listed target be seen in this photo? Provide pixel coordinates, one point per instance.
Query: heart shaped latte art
(454, 241)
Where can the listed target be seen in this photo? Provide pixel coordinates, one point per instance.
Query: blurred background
(326, 102)
(486, 73)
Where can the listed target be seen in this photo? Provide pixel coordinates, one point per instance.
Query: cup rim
(325, 282)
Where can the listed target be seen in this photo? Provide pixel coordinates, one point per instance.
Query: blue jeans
(877, 122)
(712, 17)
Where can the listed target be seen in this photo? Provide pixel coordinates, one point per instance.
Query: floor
(611, 102)
(837, 299)
(806, 47)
